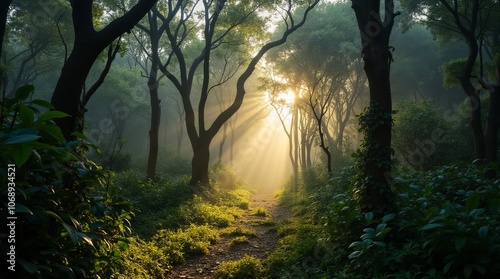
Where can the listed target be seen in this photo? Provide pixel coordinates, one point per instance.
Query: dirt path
(259, 245)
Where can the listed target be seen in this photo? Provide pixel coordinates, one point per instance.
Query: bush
(247, 267)
(71, 221)
(424, 137)
(448, 226)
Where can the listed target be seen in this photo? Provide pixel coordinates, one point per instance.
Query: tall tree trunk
(153, 84)
(492, 124)
(375, 192)
(4, 10)
(155, 121)
(199, 164)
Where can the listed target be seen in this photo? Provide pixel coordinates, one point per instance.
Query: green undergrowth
(447, 225)
(173, 223)
(247, 267)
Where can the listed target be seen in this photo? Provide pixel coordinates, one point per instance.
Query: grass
(173, 223)
(260, 211)
(239, 240)
(247, 267)
(237, 231)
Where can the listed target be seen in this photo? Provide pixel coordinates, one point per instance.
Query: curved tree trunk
(69, 88)
(88, 45)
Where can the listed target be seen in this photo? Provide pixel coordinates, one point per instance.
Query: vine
(373, 162)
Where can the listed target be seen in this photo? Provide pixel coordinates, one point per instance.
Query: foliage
(247, 267)
(73, 222)
(237, 231)
(453, 70)
(447, 227)
(372, 155)
(173, 223)
(113, 158)
(154, 258)
(260, 211)
(239, 240)
(197, 212)
(422, 136)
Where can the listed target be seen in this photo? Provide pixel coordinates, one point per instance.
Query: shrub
(260, 211)
(73, 221)
(239, 240)
(448, 227)
(247, 267)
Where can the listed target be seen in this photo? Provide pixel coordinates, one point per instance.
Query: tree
(155, 27)
(374, 160)
(223, 24)
(88, 45)
(4, 10)
(331, 83)
(32, 46)
(475, 23)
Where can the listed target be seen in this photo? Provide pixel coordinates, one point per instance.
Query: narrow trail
(263, 242)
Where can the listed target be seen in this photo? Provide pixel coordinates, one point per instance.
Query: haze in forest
(256, 135)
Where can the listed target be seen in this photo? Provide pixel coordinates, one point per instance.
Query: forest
(250, 139)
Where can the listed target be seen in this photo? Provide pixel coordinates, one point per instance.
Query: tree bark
(4, 10)
(376, 194)
(155, 122)
(199, 164)
(88, 44)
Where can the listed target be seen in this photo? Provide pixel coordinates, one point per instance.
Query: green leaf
(72, 233)
(460, 243)
(476, 212)
(24, 92)
(430, 227)
(21, 153)
(21, 135)
(51, 115)
(86, 238)
(473, 201)
(53, 131)
(21, 208)
(450, 209)
(447, 267)
(388, 217)
(53, 214)
(26, 115)
(356, 244)
(380, 227)
(369, 216)
(28, 266)
(483, 232)
(43, 103)
(355, 254)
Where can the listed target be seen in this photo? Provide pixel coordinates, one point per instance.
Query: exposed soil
(264, 241)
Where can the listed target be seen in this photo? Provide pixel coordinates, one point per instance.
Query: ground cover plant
(173, 222)
(446, 226)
